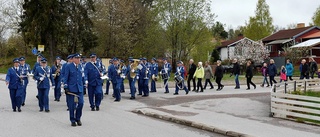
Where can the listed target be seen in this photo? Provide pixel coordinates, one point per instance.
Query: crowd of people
(79, 77)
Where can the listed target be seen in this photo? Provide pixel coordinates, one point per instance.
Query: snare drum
(164, 75)
(178, 79)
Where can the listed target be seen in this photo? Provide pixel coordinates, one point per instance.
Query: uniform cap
(16, 60)
(77, 55)
(93, 55)
(22, 58)
(44, 60)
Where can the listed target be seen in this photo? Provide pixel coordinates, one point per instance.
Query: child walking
(283, 74)
(264, 71)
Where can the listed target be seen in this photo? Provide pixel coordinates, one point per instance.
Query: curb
(192, 124)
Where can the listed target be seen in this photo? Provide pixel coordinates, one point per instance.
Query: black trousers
(207, 81)
(199, 84)
(249, 81)
(272, 80)
(218, 81)
(193, 80)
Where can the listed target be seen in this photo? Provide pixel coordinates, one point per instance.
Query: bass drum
(164, 75)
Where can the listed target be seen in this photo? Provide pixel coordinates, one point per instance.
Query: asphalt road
(113, 120)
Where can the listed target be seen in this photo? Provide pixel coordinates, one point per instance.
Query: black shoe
(187, 92)
(37, 97)
(268, 86)
(212, 88)
(106, 93)
(22, 104)
(92, 109)
(139, 94)
(55, 99)
(58, 100)
(218, 89)
(73, 124)
(40, 110)
(19, 110)
(175, 93)
(116, 100)
(132, 98)
(166, 92)
(79, 123)
(222, 87)
(201, 91)
(261, 85)
(255, 86)
(194, 90)
(122, 91)
(67, 109)
(47, 110)
(97, 108)
(237, 88)
(14, 110)
(145, 95)
(248, 89)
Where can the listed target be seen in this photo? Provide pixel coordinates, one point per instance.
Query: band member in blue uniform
(83, 64)
(154, 74)
(131, 74)
(73, 87)
(15, 85)
(179, 77)
(56, 70)
(166, 69)
(144, 75)
(37, 64)
(69, 61)
(25, 70)
(43, 75)
(140, 80)
(124, 72)
(93, 73)
(108, 80)
(114, 74)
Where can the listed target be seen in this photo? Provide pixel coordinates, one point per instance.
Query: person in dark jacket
(272, 72)
(192, 70)
(218, 75)
(313, 67)
(304, 70)
(236, 73)
(249, 75)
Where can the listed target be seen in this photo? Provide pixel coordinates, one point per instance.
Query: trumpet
(57, 72)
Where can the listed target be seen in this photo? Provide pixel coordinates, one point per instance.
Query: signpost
(40, 48)
(34, 51)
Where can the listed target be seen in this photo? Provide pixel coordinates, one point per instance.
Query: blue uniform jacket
(113, 74)
(144, 73)
(168, 67)
(47, 74)
(25, 69)
(92, 74)
(37, 64)
(73, 78)
(180, 70)
(154, 69)
(13, 78)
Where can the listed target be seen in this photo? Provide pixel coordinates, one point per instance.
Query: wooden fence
(296, 107)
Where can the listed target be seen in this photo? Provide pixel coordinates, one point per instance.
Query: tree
(296, 54)
(316, 17)
(185, 23)
(218, 31)
(260, 25)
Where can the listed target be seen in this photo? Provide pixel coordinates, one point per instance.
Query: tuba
(134, 67)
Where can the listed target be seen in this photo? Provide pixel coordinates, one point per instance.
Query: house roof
(229, 42)
(287, 34)
(308, 43)
(313, 35)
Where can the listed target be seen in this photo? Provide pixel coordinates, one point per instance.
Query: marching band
(77, 76)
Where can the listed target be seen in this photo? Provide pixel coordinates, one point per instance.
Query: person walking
(218, 75)
(304, 70)
(249, 75)
(290, 69)
(192, 70)
(199, 74)
(236, 73)
(272, 72)
(283, 74)
(313, 67)
(208, 74)
(264, 71)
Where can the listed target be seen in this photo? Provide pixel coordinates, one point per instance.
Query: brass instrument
(57, 73)
(134, 67)
(154, 77)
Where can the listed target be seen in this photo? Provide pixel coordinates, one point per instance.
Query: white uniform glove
(137, 77)
(41, 79)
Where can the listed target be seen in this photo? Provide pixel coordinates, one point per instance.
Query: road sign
(34, 51)
(41, 48)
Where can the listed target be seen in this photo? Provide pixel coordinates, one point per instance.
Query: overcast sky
(235, 12)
